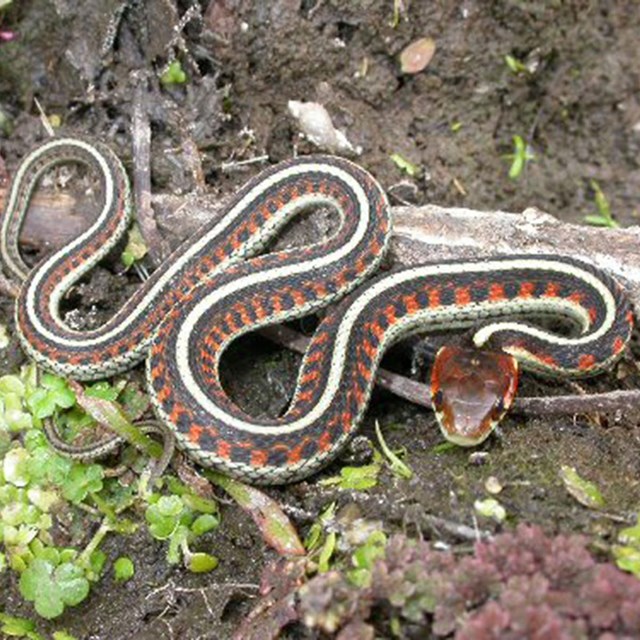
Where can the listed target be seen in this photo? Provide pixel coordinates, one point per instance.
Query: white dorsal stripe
(349, 320)
(85, 339)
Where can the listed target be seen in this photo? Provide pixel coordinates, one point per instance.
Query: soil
(578, 107)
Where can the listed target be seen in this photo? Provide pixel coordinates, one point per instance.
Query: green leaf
(18, 627)
(627, 554)
(81, 481)
(136, 248)
(490, 508)
(585, 492)
(15, 467)
(204, 523)
(630, 535)
(102, 390)
(515, 65)
(521, 155)
(201, 562)
(405, 165)
(123, 569)
(398, 467)
(604, 217)
(72, 584)
(163, 517)
(274, 525)
(63, 635)
(52, 393)
(37, 585)
(42, 498)
(174, 74)
(327, 551)
(627, 559)
(356, 478)
(12, 384)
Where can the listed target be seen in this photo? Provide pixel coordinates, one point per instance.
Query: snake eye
(437, 398)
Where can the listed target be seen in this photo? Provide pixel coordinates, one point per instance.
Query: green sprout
(173, 74)
(395, 18)
(627, 552)
(405, 165)
(515, 65)
(13, 627)
(584, 491)
(604, 217)
(123, 569)
(397, 466)
(522, 154)
(136, 248)
(172, 518)
(357, 478)
(364, 558)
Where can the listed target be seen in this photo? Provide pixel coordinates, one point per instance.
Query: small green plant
(398, 8)
(123, 569)
(604, 217)
(173, 74)
(53, 580)
(396, 465)
(521, 156)
(13, 627)
(515, 65)
(627, 551)
(585, 492)
(175, 518)
(136, 248)
(37, 485)
(405, 165)
(358, 478)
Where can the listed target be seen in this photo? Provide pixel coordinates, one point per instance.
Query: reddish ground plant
(523, 584)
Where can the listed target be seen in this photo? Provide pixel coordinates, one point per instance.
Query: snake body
(218, 286)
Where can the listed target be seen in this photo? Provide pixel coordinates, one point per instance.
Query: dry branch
(421, 234)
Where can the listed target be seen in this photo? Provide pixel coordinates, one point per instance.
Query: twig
(230, 166)
(141, 134)
(420, 394)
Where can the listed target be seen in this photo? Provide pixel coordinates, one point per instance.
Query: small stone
(416, 56)
(478, 457)
(493, 485)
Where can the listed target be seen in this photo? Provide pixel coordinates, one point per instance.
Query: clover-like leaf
(174, 74)
(52, 393)
(72, 584)
(37, 586)
(16, 467)
(81, 481)
(163, 516)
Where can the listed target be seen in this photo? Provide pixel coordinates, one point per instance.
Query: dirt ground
(578, 107)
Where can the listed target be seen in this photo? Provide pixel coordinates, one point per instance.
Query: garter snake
(218, 286)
